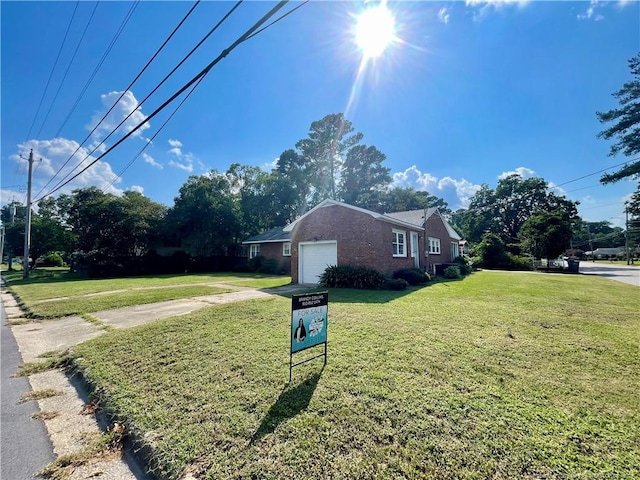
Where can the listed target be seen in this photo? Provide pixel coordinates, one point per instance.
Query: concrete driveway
(620, 273)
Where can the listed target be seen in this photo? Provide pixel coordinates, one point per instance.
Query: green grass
(53, 293)
(420, 384)
(83, 305)
(44, 284)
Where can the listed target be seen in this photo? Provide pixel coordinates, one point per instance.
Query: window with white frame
(399, 243)
(455, 250)
(434, 246)
(254, 250)
(286, 249)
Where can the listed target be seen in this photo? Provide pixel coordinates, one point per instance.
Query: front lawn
(55, 293)
(500, 375)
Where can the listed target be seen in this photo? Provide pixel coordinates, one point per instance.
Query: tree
(323, 152)
(546, 234)
(504, 211)
(110, 227)
(399, 199)
(205, 217)
(50, 231)
(626, 124)
(364, 175)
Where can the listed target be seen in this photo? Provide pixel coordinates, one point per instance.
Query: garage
(314, 257)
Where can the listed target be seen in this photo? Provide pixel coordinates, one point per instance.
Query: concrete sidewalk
(70, 430)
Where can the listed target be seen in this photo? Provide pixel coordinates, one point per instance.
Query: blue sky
(469, 91)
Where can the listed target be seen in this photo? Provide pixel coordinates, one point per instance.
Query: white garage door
(314, 258)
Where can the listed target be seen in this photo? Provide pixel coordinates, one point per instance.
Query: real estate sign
(308, 320)
(309, 315)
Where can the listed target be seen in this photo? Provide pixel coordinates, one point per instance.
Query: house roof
(417, 217)
(274, 235)
(331, 203)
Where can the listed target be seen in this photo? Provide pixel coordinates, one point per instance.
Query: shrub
(261, 264)
(452, 271)
(514, 262)
(397, 284)
(464, 264)
(51, 259)
(413, 276)
(347, 276)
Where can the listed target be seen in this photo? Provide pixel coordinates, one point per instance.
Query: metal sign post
(309, 315)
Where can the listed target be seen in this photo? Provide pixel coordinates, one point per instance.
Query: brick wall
(274, 250)
(361, 239)
(437, 229)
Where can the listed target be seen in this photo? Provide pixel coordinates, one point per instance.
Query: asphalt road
(24, 443)
(617, 272)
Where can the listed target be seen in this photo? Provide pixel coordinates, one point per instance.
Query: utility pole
(593, 255)
(27, 228)
(626, 230)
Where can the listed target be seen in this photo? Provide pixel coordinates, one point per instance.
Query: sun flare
(375, 30)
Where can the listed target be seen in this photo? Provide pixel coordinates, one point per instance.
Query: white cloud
(482, 7)
(590, 13)
(54, 153)
(137, 188)
(444, 15)
(464, 189)
(183, 161)
(456, 193)
(624, 3)
(186, 166)
(412, 177)
(8, 196)
(523, 172)
(125, 106)
(588, 200)
(150, 160)
(557, 190)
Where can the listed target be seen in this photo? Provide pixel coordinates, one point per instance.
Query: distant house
(274, 244)
(605, 252)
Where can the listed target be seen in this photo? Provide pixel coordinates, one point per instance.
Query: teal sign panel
(309, 314)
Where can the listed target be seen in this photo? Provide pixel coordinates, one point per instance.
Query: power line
(55, 63)
(185, 99)
(64, 77)
(123, 24)
(138, 106)
(154, 136)
(203, 73)
(599, 171)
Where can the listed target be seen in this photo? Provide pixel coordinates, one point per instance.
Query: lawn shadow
(291, 402)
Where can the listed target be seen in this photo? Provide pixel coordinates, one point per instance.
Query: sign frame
(310, 312)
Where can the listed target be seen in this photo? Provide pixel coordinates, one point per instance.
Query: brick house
(275, 244)
(335, 233)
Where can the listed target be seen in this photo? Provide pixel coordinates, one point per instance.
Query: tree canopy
(505, 209)
(625, 124)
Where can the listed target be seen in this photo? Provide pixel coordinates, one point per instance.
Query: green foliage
(52, 259)
(261, 264)
(504, 211)
(413, 276)
(452, 271)
(397, 284)
(625, 125)
(547, 234)
(464, 264)
(491, 251)
(347, 276)
(516, 262)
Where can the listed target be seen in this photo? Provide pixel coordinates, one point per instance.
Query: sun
(375, 31)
